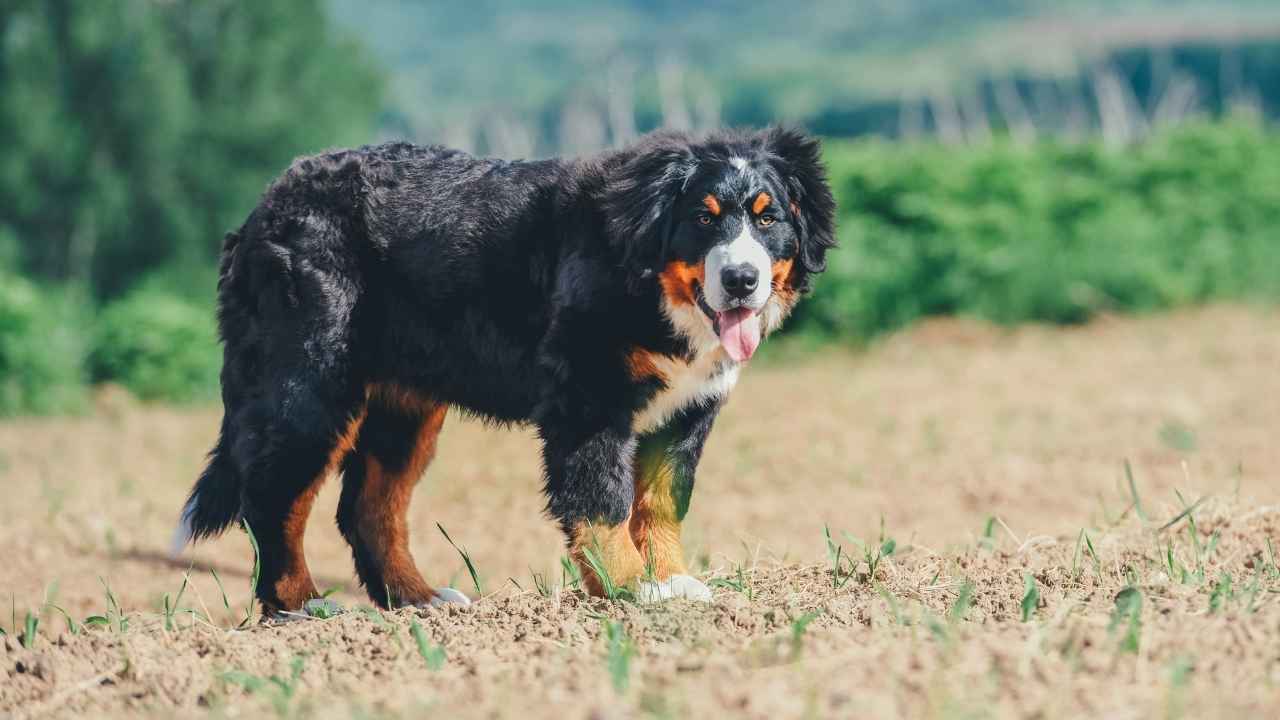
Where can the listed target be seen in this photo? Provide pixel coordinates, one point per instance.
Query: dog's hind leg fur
(289, 288)
(378, 478)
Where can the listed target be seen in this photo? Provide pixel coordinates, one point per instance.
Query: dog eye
(766, 220)
(704, 219)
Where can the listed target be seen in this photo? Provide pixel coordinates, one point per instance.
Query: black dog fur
(513, 291)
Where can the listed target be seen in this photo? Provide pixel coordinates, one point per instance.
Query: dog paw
(690, 588)
(648, 591)
(682, 587)
(447, 595)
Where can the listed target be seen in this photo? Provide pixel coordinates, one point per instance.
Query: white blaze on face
(743, 249)
(738, 319)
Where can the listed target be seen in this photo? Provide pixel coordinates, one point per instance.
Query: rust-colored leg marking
(293, 585)
(383, 506)
(612, 547)
(662, 499)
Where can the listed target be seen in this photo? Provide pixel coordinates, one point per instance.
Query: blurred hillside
(519, 78)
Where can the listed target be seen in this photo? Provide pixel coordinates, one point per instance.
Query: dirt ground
(981, 454)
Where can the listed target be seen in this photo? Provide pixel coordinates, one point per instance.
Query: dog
(609, 301)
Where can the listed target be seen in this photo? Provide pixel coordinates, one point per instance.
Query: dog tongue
(739, 332)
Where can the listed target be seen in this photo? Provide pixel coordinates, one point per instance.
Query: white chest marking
(708, 378)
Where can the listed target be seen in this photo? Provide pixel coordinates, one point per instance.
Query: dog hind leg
(290, 299)
(285, 463)
(397, 445)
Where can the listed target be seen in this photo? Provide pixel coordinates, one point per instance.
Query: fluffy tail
(214, 502)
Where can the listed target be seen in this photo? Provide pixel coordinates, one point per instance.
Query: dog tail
(214, 503)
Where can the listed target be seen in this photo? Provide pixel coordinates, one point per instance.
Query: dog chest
(707, 378)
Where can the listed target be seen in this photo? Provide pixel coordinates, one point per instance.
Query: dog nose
(740, 280)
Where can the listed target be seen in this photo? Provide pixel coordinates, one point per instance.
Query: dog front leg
(590, 489)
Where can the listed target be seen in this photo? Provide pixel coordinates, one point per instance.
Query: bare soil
(982, 454)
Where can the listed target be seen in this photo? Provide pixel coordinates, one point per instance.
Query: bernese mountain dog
(608, 301)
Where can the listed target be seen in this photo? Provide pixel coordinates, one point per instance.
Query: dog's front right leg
(590, 489)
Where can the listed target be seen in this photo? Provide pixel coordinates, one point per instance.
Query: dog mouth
(738, 328)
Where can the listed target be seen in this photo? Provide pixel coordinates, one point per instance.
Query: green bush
(159, 346)
(42, 349)
(1053, 232)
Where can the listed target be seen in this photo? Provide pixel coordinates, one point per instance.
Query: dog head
(732, 228)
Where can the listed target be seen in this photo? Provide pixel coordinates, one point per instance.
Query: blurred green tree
(137, 132)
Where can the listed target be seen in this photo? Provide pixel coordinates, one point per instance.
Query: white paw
(446, 595)
(648, 591)
(679, 586)
(690, 588)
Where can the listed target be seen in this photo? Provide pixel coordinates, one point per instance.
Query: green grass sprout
(471, 568)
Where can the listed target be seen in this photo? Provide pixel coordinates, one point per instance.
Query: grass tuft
(799, 627)
(541, 584)
(1133, 492)
(281, 689)
(114, 616)
(226, 601)
(471, 568)
(1222, 591)
(1126, 617)
(433, 655)
(988, 539)
(964, 602)
(738, 582)
(570, 575)
(836, 557)
(72, 627)
(1030, 597)
(255, 575)
(30, 628)
(170, 606)
(611, 589)
(619, 649)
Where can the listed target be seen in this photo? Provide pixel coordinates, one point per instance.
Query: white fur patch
(694, 325)
(712, 373)
(708, 378)
(447, 595)
(743, 249)
(738, 163)
(772, 315)
(684, 587)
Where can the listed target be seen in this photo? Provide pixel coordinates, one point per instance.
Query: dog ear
(639, 199)
(798, 159)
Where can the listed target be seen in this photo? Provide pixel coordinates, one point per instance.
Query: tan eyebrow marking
(712, 204)
(762, 202)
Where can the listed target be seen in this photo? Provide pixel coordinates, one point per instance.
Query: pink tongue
(739, 332)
